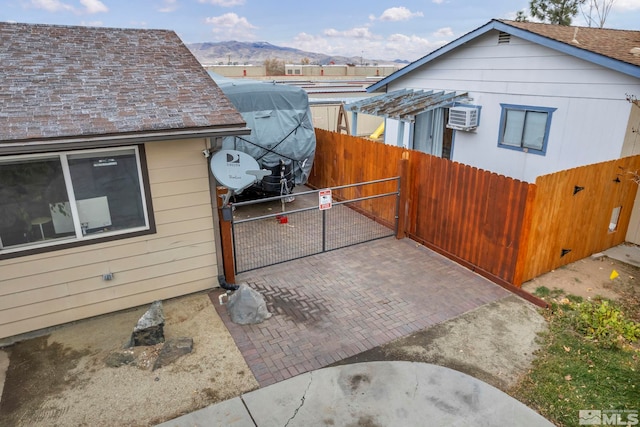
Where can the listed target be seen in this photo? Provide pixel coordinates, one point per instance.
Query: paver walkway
(335, 305)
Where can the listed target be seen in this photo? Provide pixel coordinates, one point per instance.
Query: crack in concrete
(304, 397)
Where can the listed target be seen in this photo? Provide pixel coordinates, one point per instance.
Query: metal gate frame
(269, 239)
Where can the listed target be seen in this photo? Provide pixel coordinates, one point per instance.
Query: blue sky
(407, 29)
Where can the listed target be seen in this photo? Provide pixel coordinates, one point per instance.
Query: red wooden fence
(507, 230)
(468, 214)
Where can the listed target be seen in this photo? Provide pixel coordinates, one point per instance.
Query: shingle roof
(61, 82)
(616, 44)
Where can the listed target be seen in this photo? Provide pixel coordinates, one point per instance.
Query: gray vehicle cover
(279, 117)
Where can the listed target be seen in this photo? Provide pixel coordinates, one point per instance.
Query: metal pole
(324, 230)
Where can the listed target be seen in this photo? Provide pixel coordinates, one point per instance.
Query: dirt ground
(497, 342)
(61, 379)
(590, 278)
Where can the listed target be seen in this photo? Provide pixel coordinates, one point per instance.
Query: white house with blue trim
(517, 98)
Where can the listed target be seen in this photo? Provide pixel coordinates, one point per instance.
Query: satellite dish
(236, 170)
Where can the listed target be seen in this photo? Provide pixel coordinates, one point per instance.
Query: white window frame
(526, 109)
(79, 235)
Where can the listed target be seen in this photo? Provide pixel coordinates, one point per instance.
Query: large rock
(172, 350)
(150, 327)
(247, 306)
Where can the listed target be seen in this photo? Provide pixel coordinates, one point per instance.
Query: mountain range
(244, 53)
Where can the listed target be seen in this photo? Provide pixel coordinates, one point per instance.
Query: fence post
(226, 238)
(403, 202)
(522, 257)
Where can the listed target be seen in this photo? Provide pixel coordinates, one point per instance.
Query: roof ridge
(87, 27)
(509, 21)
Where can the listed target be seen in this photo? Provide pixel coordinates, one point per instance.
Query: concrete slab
(626, 253)
(230, 413)
(381, 394)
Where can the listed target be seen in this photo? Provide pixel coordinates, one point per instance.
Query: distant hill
(256, 53)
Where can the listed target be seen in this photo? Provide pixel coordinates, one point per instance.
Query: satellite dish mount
(237, 171)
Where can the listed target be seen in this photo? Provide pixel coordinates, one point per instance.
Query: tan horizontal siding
(167, 235)
(186, 200)
(163, 189)
(176, 174)
(38, 321)
(47, 289)
(177, 216)
(190, 245)
(88, 291)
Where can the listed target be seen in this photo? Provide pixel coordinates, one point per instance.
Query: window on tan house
(51, 199)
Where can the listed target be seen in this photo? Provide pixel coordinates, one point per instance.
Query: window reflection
(70, 196)
(26, 189)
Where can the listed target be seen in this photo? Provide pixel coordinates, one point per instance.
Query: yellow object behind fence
(378, 132)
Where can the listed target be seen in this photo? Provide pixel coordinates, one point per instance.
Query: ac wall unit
(463, 118)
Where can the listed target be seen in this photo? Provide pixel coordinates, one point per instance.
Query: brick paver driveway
(337, 304)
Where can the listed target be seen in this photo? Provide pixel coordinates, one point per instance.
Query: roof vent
(504, 38)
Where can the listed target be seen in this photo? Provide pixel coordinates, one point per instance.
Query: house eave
(115, 140)
(607, 62)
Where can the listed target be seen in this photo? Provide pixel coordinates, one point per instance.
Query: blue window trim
(503, 117)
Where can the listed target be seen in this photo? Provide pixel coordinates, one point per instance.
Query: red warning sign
(325, 199)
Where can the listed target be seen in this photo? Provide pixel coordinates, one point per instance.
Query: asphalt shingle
(616, 44)
(60, 81)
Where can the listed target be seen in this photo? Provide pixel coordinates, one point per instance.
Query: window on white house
(525, 128)
(57, 198)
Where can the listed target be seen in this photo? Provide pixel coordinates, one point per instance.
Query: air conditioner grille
(463, 118)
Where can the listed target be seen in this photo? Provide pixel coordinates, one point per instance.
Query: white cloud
(223, 3)
(230, 26)
(168, 6)
(400, 46)
(373, 47)
(311, 43)
(353, 33)
(397, 14)
(443, 32)
(51, 5)
(340, 43)
(438, 1)
(624, 5)
(94, 6)
(90, 6)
